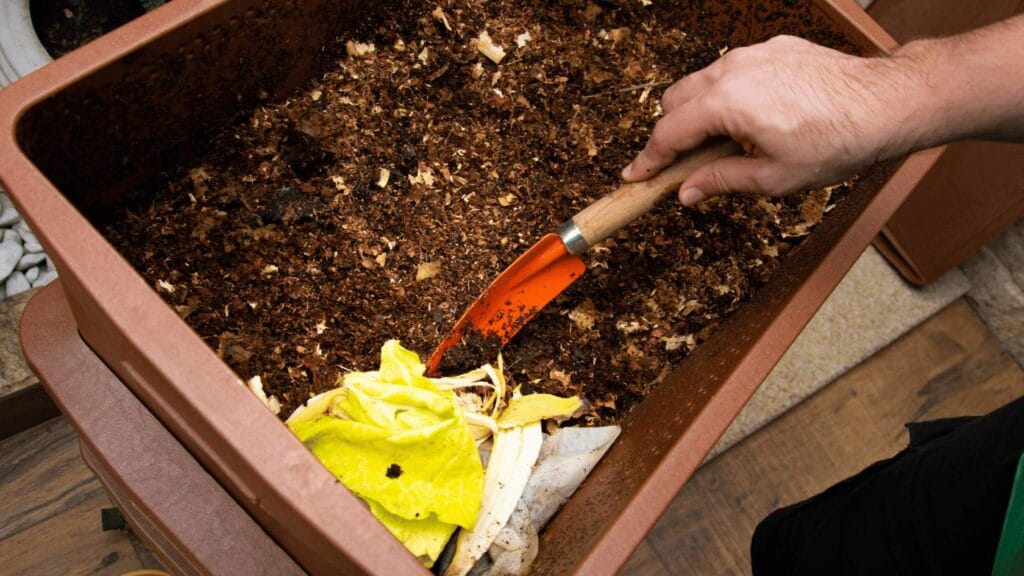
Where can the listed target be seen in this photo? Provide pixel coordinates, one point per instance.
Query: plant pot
(96, 124)
(21, 52)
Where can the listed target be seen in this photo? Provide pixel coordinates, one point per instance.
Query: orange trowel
(553, 263)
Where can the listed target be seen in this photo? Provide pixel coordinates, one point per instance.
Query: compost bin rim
(141, 316)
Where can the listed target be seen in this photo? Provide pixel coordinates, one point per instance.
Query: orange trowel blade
(533, 280)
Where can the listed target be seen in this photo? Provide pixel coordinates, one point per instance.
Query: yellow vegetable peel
(522, 410)
(401, 443)
(406, 444)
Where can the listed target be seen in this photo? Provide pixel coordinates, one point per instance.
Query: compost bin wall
(94, 126)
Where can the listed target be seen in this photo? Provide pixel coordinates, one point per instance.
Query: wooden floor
(949, 366)
(50, 504)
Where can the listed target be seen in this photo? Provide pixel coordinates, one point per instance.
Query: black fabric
(937, 507)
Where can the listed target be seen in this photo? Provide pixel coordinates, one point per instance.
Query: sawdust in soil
(380, 200)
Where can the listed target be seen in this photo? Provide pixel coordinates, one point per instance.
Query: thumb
(722, 176)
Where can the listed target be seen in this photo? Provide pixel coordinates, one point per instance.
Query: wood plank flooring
(50, 506)
(949, 366)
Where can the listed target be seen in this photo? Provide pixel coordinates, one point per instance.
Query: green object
(1010, 552)
(402, 444)
(151, 5)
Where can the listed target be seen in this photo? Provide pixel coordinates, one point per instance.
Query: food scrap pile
(407, 445)
(444, 140)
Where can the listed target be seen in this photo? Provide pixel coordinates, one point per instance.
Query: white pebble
(8, 215)
(10, 235)
(30, 260)
(21, 226)
(10, 254)
(31, 243)
(32, 274)
(45, 278)
(16, 284)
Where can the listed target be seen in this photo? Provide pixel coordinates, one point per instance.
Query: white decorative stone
(30, 260)
(32, 274)
(16, 284)
(45, 278)
(10, 253)
(8, 215)
(21, 226)
(31, 243)
(10, 235)
(33, 246)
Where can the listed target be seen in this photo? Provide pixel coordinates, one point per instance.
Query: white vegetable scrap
(566, 459)
(255, 385)
(508, 471)
(494, 52)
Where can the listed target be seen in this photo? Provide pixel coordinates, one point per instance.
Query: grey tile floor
(996, 275)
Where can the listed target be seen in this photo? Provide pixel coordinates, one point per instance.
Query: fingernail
(691, 197)
(627, 172)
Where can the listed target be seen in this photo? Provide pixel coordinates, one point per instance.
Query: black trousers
(937, 507)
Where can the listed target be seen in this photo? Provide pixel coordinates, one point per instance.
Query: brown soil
(289, 254)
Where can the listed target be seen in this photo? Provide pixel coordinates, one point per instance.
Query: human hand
(806, 115)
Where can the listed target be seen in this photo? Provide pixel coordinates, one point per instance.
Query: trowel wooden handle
(631, 201)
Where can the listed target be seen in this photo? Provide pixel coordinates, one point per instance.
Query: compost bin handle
(631, 201)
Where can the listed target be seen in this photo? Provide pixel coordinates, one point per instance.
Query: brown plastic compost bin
(96, 124)
(180, 512)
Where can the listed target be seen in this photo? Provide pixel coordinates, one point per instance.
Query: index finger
(684, 128)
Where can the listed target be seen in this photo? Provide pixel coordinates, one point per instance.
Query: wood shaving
(424, 175)
(359, 49)
(427, 270)
(585, 315)
(494, 52)
(675, 342)
(439, 15)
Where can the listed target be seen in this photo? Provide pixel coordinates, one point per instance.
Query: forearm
(966, 86)
(810, 116)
